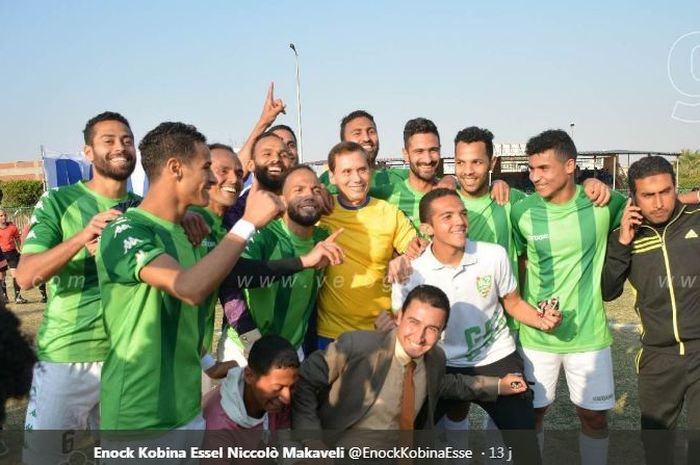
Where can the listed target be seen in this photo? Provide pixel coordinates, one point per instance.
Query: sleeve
(616, 268)
(617, 208)
(505, 279)
(45, 230)
(125, 248)
(404, 233)
(257, 247)
(318, 372)
(516, 195)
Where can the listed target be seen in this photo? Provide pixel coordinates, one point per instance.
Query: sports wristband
(207, 362)
(243, 229)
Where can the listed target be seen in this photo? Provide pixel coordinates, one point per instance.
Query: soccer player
(354, 293)
(359, 127)
(9, 246)
(284, 308)
(71, 340)
(476, 277)
(562, 237)
(154, 286)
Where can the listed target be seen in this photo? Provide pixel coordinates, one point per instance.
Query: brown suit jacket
(337, 386)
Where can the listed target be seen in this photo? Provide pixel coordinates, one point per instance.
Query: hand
(262, 206)
(416, 247)
(328, 201)
(631, 219)
(325, 253)
(195, 227)
(220, 369)
(597, 191)
(272, 107)
(500, 192)
(97, 223)
(550, 318)
(448, 182)
(385, 321)
(512, 384)
(399, 270)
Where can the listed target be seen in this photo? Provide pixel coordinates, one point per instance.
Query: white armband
(207, 362)
(243, 229)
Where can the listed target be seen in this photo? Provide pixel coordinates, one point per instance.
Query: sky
(517, 68)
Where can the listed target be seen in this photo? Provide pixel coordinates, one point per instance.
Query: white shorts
(589, 377)
(64, 396)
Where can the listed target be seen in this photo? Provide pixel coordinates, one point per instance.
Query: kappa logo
(483, 284)
(130, 242)
(31, 235)
(691, 235)
(120, 229)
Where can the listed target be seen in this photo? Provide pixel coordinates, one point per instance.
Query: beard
(271, 183)
(419, 175)
(306, 218)
(120, 173)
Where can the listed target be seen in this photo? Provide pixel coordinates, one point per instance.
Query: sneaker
(20, 300)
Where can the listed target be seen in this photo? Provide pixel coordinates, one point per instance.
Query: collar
(469, 257)
(353, 207)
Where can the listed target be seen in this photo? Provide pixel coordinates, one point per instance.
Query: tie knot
(411, 366)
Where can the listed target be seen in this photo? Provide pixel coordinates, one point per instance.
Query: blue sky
(514, 67)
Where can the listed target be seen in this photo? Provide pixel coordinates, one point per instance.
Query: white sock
(451, 425)
(540, 441)
(593, 451)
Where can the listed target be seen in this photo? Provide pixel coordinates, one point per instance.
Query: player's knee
(593, 420)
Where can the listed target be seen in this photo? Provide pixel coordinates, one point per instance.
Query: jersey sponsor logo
(539, 237)
(691, 235)
(483, 284)
(208, 244)
(130, 242)
(120, 229)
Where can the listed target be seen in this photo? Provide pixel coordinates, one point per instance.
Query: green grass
(561, 415)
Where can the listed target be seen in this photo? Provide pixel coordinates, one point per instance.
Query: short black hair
(168, 140)
(17, 359)
(475, 134)
(344, 147)
(552, 139)
(648, 166)
(89, 130)
(424, 211)
(418, 126)
(351, 116)
(284, 127)
(262, 136)
(431, 295)
(217, 145)
(299, 168)
(271, 352)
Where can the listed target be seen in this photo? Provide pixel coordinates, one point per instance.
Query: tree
(21, 193)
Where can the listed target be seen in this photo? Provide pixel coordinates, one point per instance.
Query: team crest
(483, 284)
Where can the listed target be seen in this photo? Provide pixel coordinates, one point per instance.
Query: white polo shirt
(476, 333)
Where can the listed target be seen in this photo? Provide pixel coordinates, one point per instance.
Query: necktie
(408, 398)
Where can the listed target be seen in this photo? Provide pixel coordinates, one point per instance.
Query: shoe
(20, 300)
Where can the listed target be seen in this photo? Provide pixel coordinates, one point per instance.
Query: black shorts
(12, 258)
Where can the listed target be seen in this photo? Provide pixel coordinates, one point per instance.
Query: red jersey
(9, 237)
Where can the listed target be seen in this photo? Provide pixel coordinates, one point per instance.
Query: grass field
(622, 317)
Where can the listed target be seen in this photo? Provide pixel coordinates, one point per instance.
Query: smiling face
(303, 195)
(111, 150)
(228, 172)
(422, 152)
(362, 130)
(419, 327)
(551, 175)
(273, 390)
(271, 161)
(448, 224)
(291, 143)
(352, 176)
(655, 195)
(472, 166)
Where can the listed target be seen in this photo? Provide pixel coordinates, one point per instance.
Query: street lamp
(571, 125)
(296, 60)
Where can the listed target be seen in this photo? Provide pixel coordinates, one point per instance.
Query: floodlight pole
(301, 145)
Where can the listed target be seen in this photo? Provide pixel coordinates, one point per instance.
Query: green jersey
(218, 231)
(404, 197)
(151, 378)
(565, 245)
(380, 177)
(72, 328)
(284, 307)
